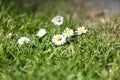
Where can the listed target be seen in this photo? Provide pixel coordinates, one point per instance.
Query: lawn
(94, 55)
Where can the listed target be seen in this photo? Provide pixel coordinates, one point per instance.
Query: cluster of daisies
(57, 39)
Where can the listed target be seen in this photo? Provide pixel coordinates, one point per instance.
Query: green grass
(92, 56)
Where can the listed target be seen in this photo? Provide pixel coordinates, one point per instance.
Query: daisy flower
(81, 30)
(58, 39)
(10, 36)
(23, 40)
(41, 33)
(58, 20)
(68, 32)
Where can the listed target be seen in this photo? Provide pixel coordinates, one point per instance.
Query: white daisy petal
(41, 33)
(58, 39)
(23, 40)
(57, 20)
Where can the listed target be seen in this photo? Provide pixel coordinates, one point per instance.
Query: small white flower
(23, 40)
(81, 30)
(10, 36)
(68, 32)
(58, 20)
(41, 33)
(58, 39)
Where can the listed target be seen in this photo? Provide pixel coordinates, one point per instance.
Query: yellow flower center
(58, 19)
(24, 41)
(41, 33)
(67, 32)
(58, 38)
(81, 31)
